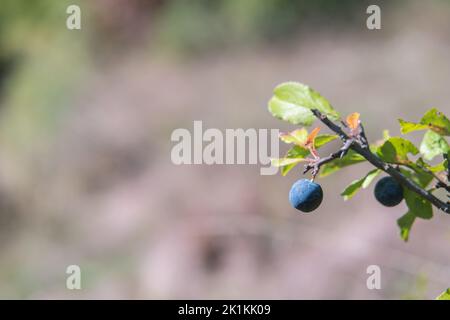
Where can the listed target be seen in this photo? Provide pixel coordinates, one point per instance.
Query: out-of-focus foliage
(41, 64)
(23, 23)
(193, 26)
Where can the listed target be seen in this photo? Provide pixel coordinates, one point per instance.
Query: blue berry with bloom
(305, 195)
(388, 192)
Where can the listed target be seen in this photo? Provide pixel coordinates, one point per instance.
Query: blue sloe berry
(388, 192)
(305, 195)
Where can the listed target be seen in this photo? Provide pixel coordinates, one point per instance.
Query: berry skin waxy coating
(305, 195)
(388, 192)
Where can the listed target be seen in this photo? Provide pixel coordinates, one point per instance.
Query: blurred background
(85, 172)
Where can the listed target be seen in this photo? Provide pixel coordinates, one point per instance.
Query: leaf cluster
(295, 102)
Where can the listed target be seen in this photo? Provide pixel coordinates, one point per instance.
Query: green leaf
(396, 150)
(293, 102)
(417, 205)
(444, 295)
(323, 139)
(433, 144)
(350, 158)
(290, 112)
(419, 176)
(437, 168)
(294, 156)
(364, 182)
(406, 127)
(433, 120)
(285, 161)
(405, 224)
(437, 122)
(386, 135)
(298, 136)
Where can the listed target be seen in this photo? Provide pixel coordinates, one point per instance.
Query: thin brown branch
(358, 147)
(315, 164)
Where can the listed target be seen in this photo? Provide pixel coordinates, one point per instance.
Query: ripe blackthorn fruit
(388, 192)
(305, 195)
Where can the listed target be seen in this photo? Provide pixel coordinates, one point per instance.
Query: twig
(358, 147)
(315, 164)
(363, 138)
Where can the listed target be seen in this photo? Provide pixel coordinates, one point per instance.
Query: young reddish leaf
(310, 142)
(299, 152)
(353, 120)
(299, 137)
(312, 136)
